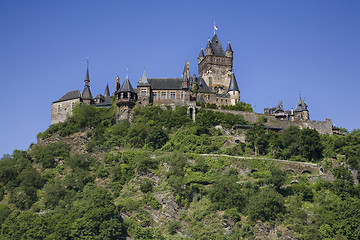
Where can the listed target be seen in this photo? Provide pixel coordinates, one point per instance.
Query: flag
(215, 27)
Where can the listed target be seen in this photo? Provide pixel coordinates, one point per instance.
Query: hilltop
(164, 176)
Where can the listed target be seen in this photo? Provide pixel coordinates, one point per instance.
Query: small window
(208, 97)
(217, 99)
(182, 95)
(163, 95)
(59, 108)
(172, 95)
(226, 100)
(221, 100)
(72, 105)
(155, 95)
(143, 92)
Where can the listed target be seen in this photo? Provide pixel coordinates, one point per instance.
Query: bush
(146, 185)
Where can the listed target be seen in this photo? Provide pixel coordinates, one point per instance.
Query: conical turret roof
(126, 87)
(233, 86)
(201, 54)
(229, 49)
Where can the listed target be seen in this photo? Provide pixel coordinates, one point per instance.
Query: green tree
(266, 205)
(310, 145)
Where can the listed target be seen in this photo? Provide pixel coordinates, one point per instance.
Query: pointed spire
(229, 49)
(201, 54)
(216, 46)
(301, 105)
(107, 91)
(233, 86)
(87, 78)
(143, 82)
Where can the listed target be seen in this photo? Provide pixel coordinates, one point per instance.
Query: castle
(215, 84)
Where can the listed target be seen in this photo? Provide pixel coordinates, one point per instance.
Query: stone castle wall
(60, 111)
(323, 127)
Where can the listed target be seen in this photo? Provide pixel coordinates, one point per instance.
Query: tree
(310, 145)
(266, 205)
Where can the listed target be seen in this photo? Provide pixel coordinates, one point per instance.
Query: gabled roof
(202, 86)
(216, 46)
(143, 81)
(126, 87)
(99, 96)
(70, 95)
(165, 83)
(233, 86)
(86, 94)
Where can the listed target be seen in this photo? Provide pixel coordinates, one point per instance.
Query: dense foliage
(149, 180)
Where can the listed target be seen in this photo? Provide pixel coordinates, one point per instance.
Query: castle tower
(185, 82)
(126, 96)
(215, 68)
(301, 112)
(86, 94)
(144, 90)
(117, 85)
(233, 90)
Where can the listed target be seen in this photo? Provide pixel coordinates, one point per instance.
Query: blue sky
(281, 48)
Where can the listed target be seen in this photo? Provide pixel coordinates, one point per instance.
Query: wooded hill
(93, 178)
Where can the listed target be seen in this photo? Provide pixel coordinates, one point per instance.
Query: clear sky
(281, 48)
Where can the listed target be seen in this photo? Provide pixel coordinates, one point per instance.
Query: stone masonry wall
(323, 127)
(61, 110)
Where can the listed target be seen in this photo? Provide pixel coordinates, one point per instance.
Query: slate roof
(143, 82)
(233, 86)
(202, 86)
(87, 78)
(107, 91)
(99, 96)
(86, 94)
(201, 54)
(301, 106)
(229, 49)
(126, 87)
(216, 46)
(165, 83)
(201, 99)
(70, 95)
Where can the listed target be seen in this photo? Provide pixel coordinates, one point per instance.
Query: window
(163, 95)
(182, 95)
(226, 100)
(217, 99)
(72, 105)
(172, 95)
(208, 97)
(221, 100)
(143, 92)
(59, 108)
(155, 95)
